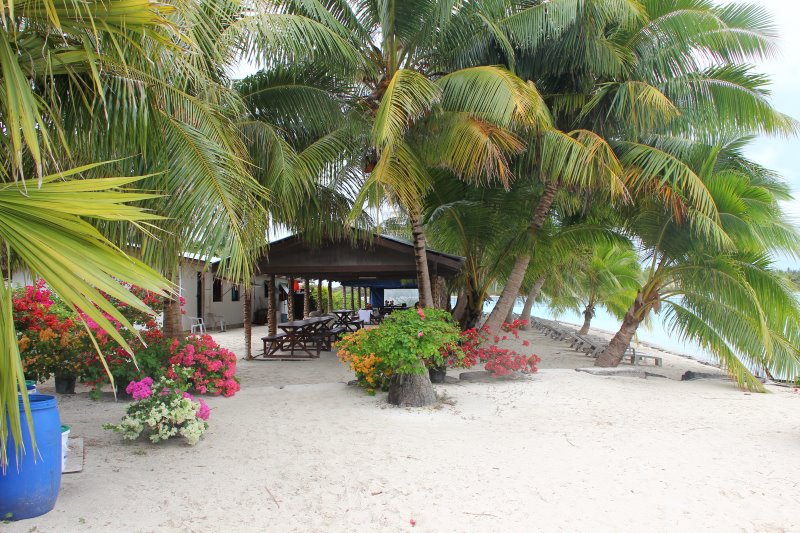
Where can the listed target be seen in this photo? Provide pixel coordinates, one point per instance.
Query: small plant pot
(65, 385)
(122, 394)
(437, 375)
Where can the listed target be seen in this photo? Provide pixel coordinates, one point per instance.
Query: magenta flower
(203, 412)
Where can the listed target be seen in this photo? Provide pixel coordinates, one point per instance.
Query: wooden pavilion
(366, 266)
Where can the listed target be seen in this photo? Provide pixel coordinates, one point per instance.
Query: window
(234, 293)
(217, 291)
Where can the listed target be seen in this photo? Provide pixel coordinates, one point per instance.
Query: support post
(272, 320)
(352, 299)
(248, 320)
(319, 296)
(290, 301)
(306, 298)
(330, 297)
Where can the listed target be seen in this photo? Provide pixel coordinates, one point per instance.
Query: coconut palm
(48, 211)
(154, 75)
(608, 277)
(623, 69)
(410, 114)
(719, 289)
(185, 131)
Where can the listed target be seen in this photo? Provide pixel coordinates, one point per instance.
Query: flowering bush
(406, 342)
(48, 338)
(372, 372)
(210, 368)
(499, 361)
(162, 410)
(151, 360)
(53, 338)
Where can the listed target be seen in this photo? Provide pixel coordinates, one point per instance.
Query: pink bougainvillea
(212, 368)
(140, 389)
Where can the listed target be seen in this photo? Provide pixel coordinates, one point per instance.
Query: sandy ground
(298, 450)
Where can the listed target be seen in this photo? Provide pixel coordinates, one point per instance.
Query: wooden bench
(637, 358)
(275, 343)
(327, 337)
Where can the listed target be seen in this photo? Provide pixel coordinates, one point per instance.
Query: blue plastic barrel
(29, 488)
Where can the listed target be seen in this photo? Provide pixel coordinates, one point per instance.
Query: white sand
(298, 450)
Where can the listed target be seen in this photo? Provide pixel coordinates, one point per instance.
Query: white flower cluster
(162, 416)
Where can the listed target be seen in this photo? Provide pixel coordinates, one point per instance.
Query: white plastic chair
(217, 321)
(196, 325)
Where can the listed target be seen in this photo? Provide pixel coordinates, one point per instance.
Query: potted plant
(46, 335)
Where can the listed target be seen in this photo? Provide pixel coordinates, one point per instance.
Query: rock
(484, 376)
(620, 371)
(690, 375)
(627, 372)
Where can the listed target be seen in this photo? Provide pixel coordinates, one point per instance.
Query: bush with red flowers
(212, 368)
(47, 336)
(498, 361)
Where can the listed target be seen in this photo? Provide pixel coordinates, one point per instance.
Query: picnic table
(298, 335)
(342, 316)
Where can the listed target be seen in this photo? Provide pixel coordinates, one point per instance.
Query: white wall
(20, 278)
(228, 310)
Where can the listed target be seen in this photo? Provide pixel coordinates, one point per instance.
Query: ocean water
(656, 334)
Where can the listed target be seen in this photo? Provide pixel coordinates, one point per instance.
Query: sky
(779, 154)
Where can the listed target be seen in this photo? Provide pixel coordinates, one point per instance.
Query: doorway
(199, 295)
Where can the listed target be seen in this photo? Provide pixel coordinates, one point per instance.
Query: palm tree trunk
(421, 257)
(461, 306)
(473, 311)
(247, 320)
(272, 322)
(510, 316)
(613, 353)
(173, 329)
(306, 298)
(530, 300)
(514, 281)
(588, 313)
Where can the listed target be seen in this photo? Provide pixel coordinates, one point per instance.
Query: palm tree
(49, 213)
(185, 132)
(154, 76)
(623, 69)
(411, 114)
(717, 286)
(608, 277)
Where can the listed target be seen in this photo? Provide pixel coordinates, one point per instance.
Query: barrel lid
(39, 401)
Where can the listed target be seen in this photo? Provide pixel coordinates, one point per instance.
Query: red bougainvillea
(498, 361)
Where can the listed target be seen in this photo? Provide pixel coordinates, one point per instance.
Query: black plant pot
(437, 375)
(65, 385)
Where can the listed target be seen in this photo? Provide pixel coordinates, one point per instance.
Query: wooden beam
(330, 297)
